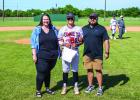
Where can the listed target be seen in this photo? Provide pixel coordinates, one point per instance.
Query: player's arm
(61, 39)
(80, 39)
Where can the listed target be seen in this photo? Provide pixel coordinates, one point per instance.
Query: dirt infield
(22, 41)
(27, 41)
(16, 28)
(129, 28)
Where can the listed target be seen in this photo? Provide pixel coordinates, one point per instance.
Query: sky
(80, 4)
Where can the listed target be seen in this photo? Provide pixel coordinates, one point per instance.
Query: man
(94, 35)
(69, 37)
(121, 26)
(113, 24)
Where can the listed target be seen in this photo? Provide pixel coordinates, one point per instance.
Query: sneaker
(111, 37)
(64, 90)
(100, 92)
(114, 38)
(76, 90)
(118, 36)
(49, 91)
(89, 89)
(38, 94)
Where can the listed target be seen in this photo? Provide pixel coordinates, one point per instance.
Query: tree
(8, 13)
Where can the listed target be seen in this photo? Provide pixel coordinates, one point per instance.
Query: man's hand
(80, 39)
(106, 55)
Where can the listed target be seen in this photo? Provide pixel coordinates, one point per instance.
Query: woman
(44, 44)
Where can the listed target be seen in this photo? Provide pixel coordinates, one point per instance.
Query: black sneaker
(49, 91)
(100, 92)
(38, 94)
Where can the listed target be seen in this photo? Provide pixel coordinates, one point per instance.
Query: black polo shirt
(93, 40)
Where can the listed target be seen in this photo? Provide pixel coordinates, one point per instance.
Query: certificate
(68, 54)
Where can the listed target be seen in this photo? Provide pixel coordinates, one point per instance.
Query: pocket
(86, 59)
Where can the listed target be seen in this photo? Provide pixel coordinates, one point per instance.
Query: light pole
(121, 11)
(32, 16)
(17, 8)
(3, 11)
(105, 11)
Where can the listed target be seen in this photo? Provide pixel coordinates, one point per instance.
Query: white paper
(68, 54)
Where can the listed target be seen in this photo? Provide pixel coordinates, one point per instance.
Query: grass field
(121, 71)
(28, 21)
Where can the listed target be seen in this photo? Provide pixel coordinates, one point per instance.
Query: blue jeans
(121, 32)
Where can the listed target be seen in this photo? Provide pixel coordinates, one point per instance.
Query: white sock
(64, 84)
(76, 84)
(100, 88)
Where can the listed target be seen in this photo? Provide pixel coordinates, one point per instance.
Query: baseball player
(69, 36)
(113, 24)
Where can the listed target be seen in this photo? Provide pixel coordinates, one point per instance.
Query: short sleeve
(105, 35)
(60, 33)
(81, 32)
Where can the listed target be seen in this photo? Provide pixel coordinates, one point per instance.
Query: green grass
(129, 21)
(121, 71)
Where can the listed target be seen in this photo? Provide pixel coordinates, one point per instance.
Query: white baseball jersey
(70, 35)
(113, 23)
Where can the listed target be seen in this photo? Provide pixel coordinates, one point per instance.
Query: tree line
(129, 12)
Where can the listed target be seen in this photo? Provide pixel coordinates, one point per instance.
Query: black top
(93, 40)
(48, 44)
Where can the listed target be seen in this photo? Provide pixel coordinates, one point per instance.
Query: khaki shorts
(92, 64)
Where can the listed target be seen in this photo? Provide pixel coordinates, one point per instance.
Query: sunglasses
(92, 17)
(70, 19)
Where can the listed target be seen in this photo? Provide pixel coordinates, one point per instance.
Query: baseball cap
(93, 15)
(70, 15)
(121, 16)
(113, 16)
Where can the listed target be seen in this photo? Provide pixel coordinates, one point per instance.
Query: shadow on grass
(111, 81)
(108, 82)
(124, 38)
(82, 83)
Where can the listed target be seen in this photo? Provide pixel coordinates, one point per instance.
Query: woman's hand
(34, 58)
(34, 55)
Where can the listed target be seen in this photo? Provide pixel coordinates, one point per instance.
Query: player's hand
(106, 55)
(34, 58)
(80, 39)
(73, 45)
(67, 45)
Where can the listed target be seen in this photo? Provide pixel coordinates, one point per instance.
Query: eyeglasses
(70, 19)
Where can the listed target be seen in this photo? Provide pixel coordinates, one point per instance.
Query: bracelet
(106, 52)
